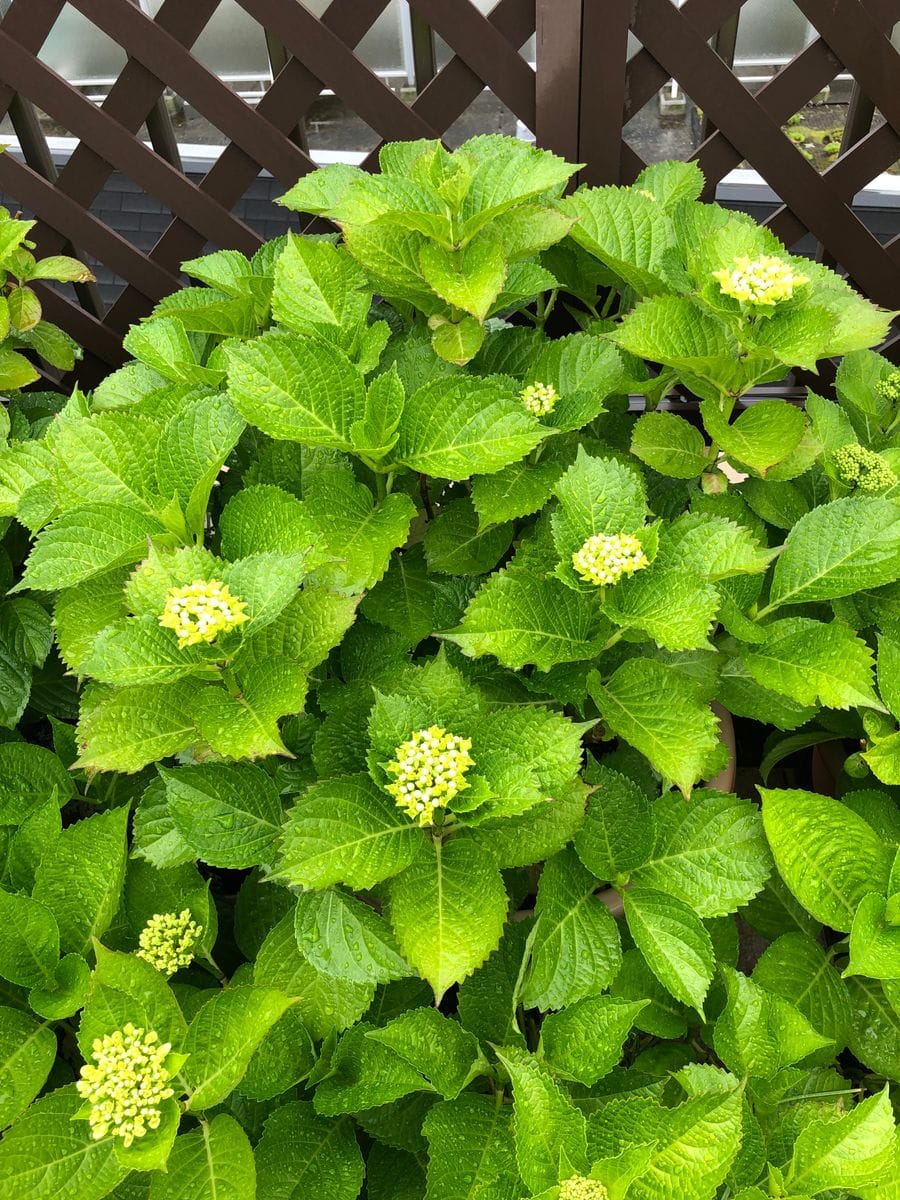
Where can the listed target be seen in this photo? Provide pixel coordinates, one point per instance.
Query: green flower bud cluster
(127, 1084)
(889, 387)
(604, 559)
(761, 281)
(539, 398)
(168, 940)
(430, 769)
(201, 611)
(581, 1188)
(859, 467)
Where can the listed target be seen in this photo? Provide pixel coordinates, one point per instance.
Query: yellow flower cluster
(201, 611)
(127, 1085)
(539, 398)
(167, 941)
(760, 281)
(430, 769)
(889, 387)
(604, 559)
(860, 467)
(581, 1188)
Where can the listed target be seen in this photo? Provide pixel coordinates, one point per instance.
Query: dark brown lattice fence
(583, 93)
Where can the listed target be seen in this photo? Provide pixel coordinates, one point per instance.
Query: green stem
(380, 486)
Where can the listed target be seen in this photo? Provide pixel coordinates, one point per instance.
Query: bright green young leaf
(874, 1036)
(85, 542)
(192, 450)
(67, 993)
(47, 1155)
(125, 730)
(108, 459)
(517, 491)
(29, 941)
(837, 549)
(710, 852)
(376, 434)
(812, 662)
(164, 346)
(437, 1046)
(695, 1142)
(345, 830)
(670, 445)
(295, 388)
(302, 1153)
(469, 278)
(214, 1162)
(618, 831)
(464, 425)
(596, 495)
(828, 856)
(576, 951)
(874, 944)
(265, 518)
(222, 1037)
(674, 941)
(345, 938)
(585, 1041)
(764, 434)
(246, 725)
(471, 1151)
(628, 232)
(230, 815)
(855, 1151)
(81, 879)
(659, 712)
(796, 968)
(448, 910)
(320, 289)
(27, 1052)
(125, 988)
(546, 1122)
(522, 618)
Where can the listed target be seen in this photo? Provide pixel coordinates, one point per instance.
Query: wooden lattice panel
(583, 94)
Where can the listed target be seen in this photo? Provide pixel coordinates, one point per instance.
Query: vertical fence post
(558, 83)
(604, 51)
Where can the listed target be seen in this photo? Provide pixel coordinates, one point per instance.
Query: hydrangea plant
(391, 847)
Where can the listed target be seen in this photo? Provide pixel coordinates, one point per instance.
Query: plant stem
(426, 499)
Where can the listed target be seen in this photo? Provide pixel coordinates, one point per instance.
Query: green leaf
(343, 937)
(164, 346)
(67, 993)
(448, 909)
(576, 951)
(488, 999)
(471, 1152)
(536, 834)
(82, 612)
(506, 173)
(547, 1123)
(26, 630)
(628, 232)
(758, 1033)
(764, 434)
(874, 1036)
(214, 1162)
(812, 662)
(137, 650)
(131, 727)
(664, 1016)
(325, 1004)
(596, 496)
(585, 1041)
(884, 758)
(465, 425)
(796, 968)
(47, 1155)
(125, 988)
(404, 599)
(265, 517)
(80, 879)
(437, 1046)
(29, 771)
(694, 1143)
(29, 941)
(107, 459)
(246, 725)
(854, 1151)
(659, 711)
(296, 388)
(230, 815)
(86, 542)
(710, 852)
(874, 943)
(284, 1058)
(517, 491)
(27, 1052)
(618, 831)
(828, 856)
(222, 1037)
(376, 435)
(15, 370)
(319, 289)
(356, 532)
(674, 941)
(670, 444)
(301, 1153)
(522, 618)
(469, 278)
(192, 450)
(454, 544)
(364, 1074)
(837, 549)
(348, 831)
